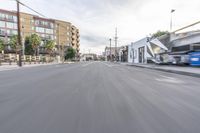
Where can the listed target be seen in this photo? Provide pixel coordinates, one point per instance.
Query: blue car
(195, 58)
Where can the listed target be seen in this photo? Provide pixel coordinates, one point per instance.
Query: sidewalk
(183, 70)
(6, 67)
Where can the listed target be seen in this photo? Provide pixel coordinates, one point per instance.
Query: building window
(49, 31)
(51, 25)
(39, 29)
(14, 32)
(2, 24)
(9, 25)
(8, 32)
(15, 18)
(2, 16)
(11, 32)
(50, 37)
(2, 31)
(9, 17)
(15, 26)
(37, 22)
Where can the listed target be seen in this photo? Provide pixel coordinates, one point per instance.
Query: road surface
(98, 97)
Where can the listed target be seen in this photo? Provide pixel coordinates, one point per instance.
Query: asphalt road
(98, 97)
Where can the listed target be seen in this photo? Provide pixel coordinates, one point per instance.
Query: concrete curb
(170, 71)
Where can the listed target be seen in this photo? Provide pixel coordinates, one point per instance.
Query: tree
(14, 42)
(159, 33)
(2, 45)
(49, 46)
(28, 47)
(35, 41)
(70, 53)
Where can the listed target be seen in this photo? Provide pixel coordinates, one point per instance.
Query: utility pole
(59, 46)
(171, 23)
(110, 49)
(116, 44)
(19, 34)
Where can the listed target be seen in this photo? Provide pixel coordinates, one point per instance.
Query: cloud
(97, 19)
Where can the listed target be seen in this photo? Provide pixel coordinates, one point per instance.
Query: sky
(97, 19)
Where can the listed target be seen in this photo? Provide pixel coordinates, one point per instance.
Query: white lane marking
(84, 65)
(108, 64)
(168, 79)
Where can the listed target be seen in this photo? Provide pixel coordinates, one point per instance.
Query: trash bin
(195, 58)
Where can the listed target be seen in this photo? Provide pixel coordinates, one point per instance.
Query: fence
(26, 59)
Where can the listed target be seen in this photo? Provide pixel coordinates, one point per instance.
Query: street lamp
(172, 11)
(110, 49)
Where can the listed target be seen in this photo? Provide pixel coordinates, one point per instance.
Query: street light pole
(116, 44)
(110, 49)
(171, 19)
(19, 34)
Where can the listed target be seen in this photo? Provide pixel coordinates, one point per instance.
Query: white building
(88, 57)
(145, 50)
(111, 51)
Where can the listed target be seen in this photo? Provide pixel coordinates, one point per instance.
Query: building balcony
(8, 20)
(74, 37)
(73, 32)
(78, 44)
(74, 42)
(44, 26)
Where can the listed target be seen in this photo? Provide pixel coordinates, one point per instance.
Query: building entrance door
(141, 54)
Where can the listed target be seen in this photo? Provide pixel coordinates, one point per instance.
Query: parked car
(195, 58)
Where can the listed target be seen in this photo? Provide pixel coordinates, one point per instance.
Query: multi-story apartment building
(63, 33)
(75, 38)
(8, 24)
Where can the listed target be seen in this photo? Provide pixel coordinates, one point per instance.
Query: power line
(31, 9)
(40, 14)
